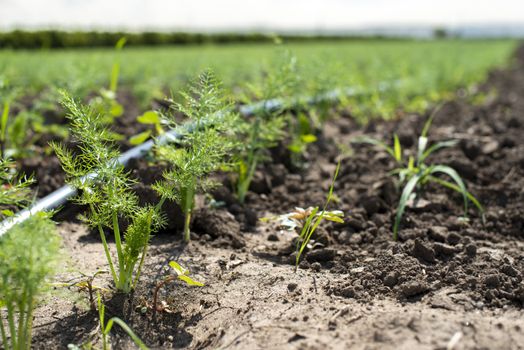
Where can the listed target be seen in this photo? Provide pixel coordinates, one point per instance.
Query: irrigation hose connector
(60, 196)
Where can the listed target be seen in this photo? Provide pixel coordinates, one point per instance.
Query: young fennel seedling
(107, 195)
(29, 255)
(14, 191)
(265, 128)
(199, 152)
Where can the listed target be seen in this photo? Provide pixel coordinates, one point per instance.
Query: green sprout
(415, 174)
(29, 254)
(309, 219)
(107, 194)
(148, 118)
(200, 151)
(106, 328)
(302, 135)
(182, 274)
(8, 95)
(307, 116)
(3, 126)
(266, 126)
(106, 103)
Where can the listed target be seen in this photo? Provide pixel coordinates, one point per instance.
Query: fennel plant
(107, 195)
(200, 151)
(266, 126)
(29, 253)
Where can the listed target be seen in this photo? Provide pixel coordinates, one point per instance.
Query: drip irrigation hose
(60, 196)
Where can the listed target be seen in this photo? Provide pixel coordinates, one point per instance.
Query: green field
(231, 182)
(420, 68)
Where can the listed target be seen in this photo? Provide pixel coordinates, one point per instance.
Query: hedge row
(54, 39)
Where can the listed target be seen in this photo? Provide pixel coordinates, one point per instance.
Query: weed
(182, 274)
(106, 328)
(8, 95)
(415, 173)
(105, 188)
(309, 219)
(199, 152)
(106, 104)
(148, 118)
(85, 283)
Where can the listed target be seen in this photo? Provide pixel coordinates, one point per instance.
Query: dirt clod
(492, 281)
(321, 255)
(413, 288)
(423, 251)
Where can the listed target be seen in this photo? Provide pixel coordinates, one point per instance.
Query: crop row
(218, 141)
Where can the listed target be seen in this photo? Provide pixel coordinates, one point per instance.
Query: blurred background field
(419, 68)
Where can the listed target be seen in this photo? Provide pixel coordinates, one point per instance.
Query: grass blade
(375, 142)
(406, 193)
(422, 144)
(428, 122)
(127, 329)
(305, 235)
(454, 187)
(437, 146)
(397, 149)
(458, 180)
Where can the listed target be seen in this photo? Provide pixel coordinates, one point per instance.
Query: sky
(197, 15)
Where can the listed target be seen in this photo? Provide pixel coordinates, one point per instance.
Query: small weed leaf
(149, 117)
(406, 193)
(397, 149)
(140, 138)
(183, 274)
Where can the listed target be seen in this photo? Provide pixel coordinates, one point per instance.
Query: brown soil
(446, 284)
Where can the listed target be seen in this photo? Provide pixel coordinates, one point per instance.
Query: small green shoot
(200, 152)
(7, 96)
(3, 127)
(414, 173)
(148, 118)
(182, 274)
(106, 328)
(106, 103)
(264, 129)
(115, 70)
(309, 219)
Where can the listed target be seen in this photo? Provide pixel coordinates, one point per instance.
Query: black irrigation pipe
(60, 196)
